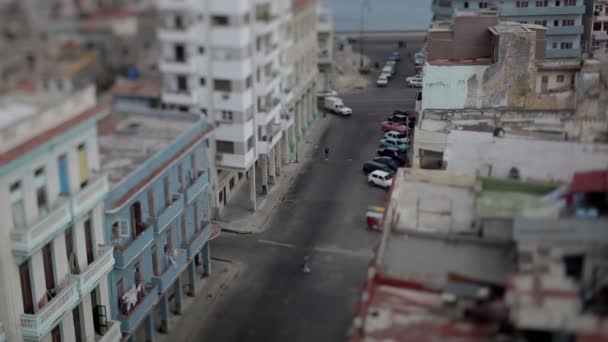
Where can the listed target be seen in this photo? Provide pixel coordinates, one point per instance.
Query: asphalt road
(324, 217)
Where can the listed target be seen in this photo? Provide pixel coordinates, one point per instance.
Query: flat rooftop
(127, 140)
(19, 106)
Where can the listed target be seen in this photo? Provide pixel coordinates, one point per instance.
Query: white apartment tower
(54, 262)
(225, 59)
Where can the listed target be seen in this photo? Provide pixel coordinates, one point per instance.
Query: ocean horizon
(380, 15)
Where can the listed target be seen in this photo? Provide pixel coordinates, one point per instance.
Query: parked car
(382, 80)
(395, 56)
(414, 81)
(380, 178)
(336, 105)
(393, 143)
(388, 161)
(326, 93)
(420, 61)
(392, 126)
(392, 64)
(398, 118)
(388, 70)
(403, 137)
(410, 116)
(401, 111)
(395, 154)
(372, 166)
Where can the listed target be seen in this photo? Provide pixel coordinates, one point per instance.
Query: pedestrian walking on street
(326, 153)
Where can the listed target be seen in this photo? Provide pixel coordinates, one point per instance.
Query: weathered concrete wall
(468, 38)
(451, 87)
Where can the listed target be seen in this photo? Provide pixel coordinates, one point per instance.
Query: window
(180, 53)
(222, 85)
(569, 2)
(246, 18)
(88, 238)
(227, 115)
(250, 143)
(554, 45)
(595, 43)
(182, 223)
(566, 45)
(197, 224)
(483, 4)
(597, 26)
(155, 260)
(41, 195)
(193, 166)
(555, 22)
(557, 3)
(17, 205)
(69, 250)
(559, 78)
(466, 4)
(26, 288)
(207, 143)
(167, 190)
(219, 20)
(542, 3)
(151, 204)
(138, 275)
(541, 22)
(248, 82)
(202, 81)
(56, 334)
(568, 22)
(182, 84)
(83, 165)
(201, 50)
(64, 184)
(224, 146)
(521, 3)
(137, 226)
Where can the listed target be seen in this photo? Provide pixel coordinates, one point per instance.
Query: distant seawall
(404, 33)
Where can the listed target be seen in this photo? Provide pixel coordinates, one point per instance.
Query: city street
(322, 216)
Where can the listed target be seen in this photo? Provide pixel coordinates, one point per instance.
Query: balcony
(90, 195)
(35, 326)
(113, 333)
(563, 30)
(88, 280)
(196, 186)
(600, 35)
(272, 137)
(169, 214)
(239, 162)
(286, 121)
(179, 97)
(563, 53)
(124, 255)
(198, 241)
(147, 300)
(175, 65)
(171, 272)
(541, 11)
(26, 240)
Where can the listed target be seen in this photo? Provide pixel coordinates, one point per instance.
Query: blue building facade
(563, 19)
(158, 219)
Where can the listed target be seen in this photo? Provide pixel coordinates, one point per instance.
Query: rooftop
(19, 106)
(127, 140)
(137, 88)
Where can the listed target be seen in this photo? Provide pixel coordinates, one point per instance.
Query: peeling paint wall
(448, 87)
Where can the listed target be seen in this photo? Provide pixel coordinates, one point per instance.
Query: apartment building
(325, 55)
(563, 19)
(301, 58)
(598, 27)
(157, 214)
(54, 259)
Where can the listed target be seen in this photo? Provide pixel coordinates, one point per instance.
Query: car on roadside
(380, 178)
(372, 166)
(414, 81)
(403, 137)
(389, 70)
(392, 126)
(393, 143)
(382, 80)
(395, 154)
(410, 116)
(388, 161)
(399, 119)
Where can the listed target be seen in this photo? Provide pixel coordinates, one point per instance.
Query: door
(88, 235)
(64, 184)
(155, 260)
(56, 334)
(136, 219)
(77, 325)
(49, 272)
(26, 288)
(544, 84)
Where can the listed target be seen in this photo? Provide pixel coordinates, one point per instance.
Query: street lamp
(364, 4)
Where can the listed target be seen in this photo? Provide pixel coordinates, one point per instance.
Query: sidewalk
(238, 218)
(185, 327)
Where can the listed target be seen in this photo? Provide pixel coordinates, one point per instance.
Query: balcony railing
(569, 30)
(542, 11)
(124, 255)
(94, 272)
(198, 241)
(167, 216)
(37, 325)
(26, 240)
(172, 271)
(197, 185)
(90, 195)
(113, 333)
(146, 301)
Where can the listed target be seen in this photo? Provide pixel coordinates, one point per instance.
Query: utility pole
(364, 4)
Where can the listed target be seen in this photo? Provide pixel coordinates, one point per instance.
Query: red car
(392, 126)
